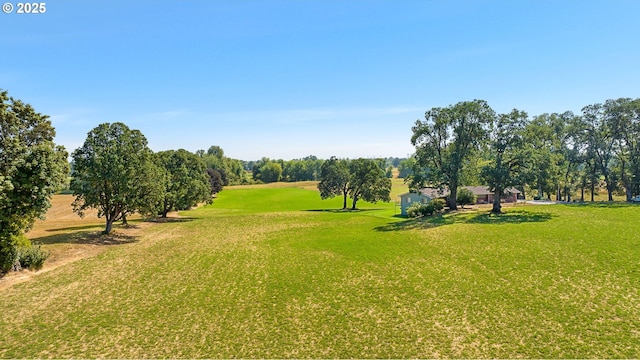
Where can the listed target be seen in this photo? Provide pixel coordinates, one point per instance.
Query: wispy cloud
(302, 116)
(75, 116)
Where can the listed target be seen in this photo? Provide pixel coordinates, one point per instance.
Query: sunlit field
(276, 272)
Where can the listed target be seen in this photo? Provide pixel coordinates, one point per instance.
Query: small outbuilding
(423, 196)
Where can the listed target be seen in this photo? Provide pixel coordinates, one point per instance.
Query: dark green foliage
(420, 210)
(415, 210)
(334, 179)
(389, 172)
(267, 170)
(307, 168)
(445, 141)
(438, 204)
(509, 155)
(32, 258)
(466, 197)
(232, 170)
(367, 181)
(216, 180)
(624, 115)
(32, 169)
(270, 172)
(8, 254)
(187, 181)
(360, 179)
(406, 166)
(114, 173)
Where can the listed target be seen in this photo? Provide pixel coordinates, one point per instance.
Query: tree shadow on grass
(511, 217)
(131, 223)
(174, 219)
(603, 204)
(76, 228)
(86, 238)
(344, 210)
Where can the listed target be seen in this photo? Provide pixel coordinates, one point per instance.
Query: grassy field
(275, 272)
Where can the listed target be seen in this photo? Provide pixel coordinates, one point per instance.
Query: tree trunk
(108, 227)
(582, 194)
(124, 220)
(453, 194)
(344, 200)
(165, 208)
(593, 190)
(353, 205)
(497, 206)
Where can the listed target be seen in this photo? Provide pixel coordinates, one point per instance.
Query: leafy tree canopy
(187, 180)
(109, 173)
(368, 181)
(445, 140)
(32, 169)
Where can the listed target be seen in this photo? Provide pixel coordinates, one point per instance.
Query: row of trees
(268, 170)
(116, 173)
(231, 170)
(359, 179)
(469, 144)
(308, 168)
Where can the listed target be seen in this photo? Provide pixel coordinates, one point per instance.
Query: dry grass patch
(69, 238)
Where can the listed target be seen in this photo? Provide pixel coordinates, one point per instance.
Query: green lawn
(278, 273)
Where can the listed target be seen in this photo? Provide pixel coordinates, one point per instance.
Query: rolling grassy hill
(276, 272)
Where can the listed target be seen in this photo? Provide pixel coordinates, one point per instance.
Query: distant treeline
(308, 168)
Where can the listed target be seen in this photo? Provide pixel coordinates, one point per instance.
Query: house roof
(484, 190)
(476, 190)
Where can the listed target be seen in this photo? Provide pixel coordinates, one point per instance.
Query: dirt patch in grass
(69, 238)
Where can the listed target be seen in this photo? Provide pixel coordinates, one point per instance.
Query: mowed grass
(275, 272)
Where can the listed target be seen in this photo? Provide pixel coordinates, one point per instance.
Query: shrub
(32, 257)
(414, 210)
(10, 252)
(429, 209)
(8, 255)
(438, 204)
(419, 210)
(465, 197)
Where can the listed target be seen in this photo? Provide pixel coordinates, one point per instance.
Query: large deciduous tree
(267, 170)
(187, 180)
(623, 117)
(334, 179)
(600, 139)
(445, 140)
(367, 181)
(216, 180)
(508, 155)
(32, 169)
(544, 170)
(110, 173)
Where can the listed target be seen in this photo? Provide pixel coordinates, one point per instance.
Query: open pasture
(276, 272)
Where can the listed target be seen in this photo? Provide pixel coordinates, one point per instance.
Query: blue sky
(286, 79)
